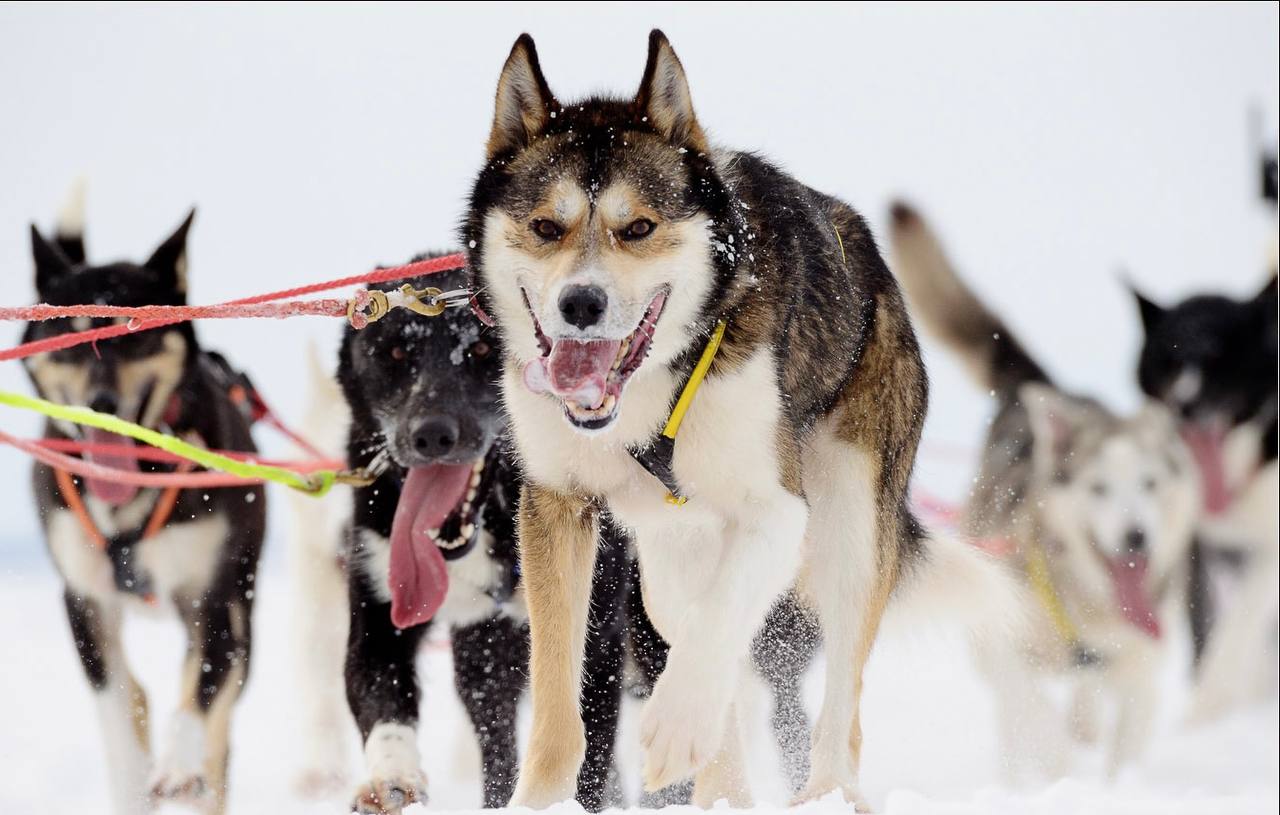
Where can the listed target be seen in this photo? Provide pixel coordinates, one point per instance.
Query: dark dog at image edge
(199, 564)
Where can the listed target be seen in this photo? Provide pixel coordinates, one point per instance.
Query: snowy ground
(930, 745)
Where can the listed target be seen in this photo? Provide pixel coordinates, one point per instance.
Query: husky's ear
(51, 263)
(664, 96)
(1267, 297)
(69, 232)
(1151, 311)
(169, 261)
(1054, 417)
(524, 101)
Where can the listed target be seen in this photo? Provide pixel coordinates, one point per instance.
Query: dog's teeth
(478, 466)
(434, 534)
(475, 480)
(471, 496)
(468, 530)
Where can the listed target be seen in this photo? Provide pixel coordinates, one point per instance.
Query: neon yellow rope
(695, 379)
(316, 483)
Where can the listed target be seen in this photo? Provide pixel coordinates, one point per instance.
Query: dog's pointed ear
(1054, 417)
(1267, 297)
(665, 99)
(1151, 311)
(524, 102)
(169, 261)
(69, 232)
(51, 263)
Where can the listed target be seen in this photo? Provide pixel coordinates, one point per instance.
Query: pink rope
(146, 453)
(293, 308)
(61, 341)
(86, 469)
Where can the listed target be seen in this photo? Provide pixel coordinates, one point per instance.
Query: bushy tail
(941, 301)
(69, 232)
(959, 583)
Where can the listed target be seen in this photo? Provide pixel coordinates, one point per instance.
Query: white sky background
(1051, 146)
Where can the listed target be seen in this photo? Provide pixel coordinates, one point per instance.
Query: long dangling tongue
(418, 578)
(112, 492)
(1128, 575)
(577, 370)
(1206, 446)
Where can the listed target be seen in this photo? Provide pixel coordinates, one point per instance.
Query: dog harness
(119, 549)
(657, 457)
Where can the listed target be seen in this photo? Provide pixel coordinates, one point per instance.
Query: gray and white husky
(1097, 512)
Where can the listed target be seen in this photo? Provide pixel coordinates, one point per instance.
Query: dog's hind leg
(847, 579)
(193, 765)
(122, 706)
(489, 659)
(557, 557)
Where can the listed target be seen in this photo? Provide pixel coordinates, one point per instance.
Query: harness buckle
(358, 477)
(426, 302)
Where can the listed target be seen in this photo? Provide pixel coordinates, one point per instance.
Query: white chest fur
(182, 557)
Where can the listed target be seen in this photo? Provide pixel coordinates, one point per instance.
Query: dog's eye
(397, 353)
(1098, 489)
(480, 348)
(547, 229)
(640, 228)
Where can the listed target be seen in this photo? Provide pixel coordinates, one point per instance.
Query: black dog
(1212, 359)
(433, 539)
(200, 559)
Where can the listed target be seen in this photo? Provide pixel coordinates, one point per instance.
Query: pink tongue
(111, 492)
(1206, 447)
(1128, 574)
(577, 370)
(418, 578)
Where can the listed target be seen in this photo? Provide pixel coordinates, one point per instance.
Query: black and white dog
(197, 560)
(432, 540)
(1212, 359)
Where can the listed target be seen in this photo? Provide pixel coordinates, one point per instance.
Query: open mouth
(1206, 441)
(435, 521)
(1128, 573)
(588, 375)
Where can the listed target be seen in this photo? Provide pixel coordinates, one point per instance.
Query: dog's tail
(69, 232)
(957, 582)
(953, 313)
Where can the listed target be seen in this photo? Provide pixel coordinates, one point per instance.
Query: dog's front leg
(489, 659)
(382, 690)
(193, 766)
(122, 706)
(718, 615)
(557, 557)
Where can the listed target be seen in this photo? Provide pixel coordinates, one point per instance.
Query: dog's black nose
(104, 403)
(583, 306)
(436, 437)
(1135, 540)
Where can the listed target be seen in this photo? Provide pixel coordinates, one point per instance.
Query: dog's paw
(388, 796)
(181, 785)
(682, 727)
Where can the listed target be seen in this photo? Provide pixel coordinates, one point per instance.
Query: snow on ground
(930, 743)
